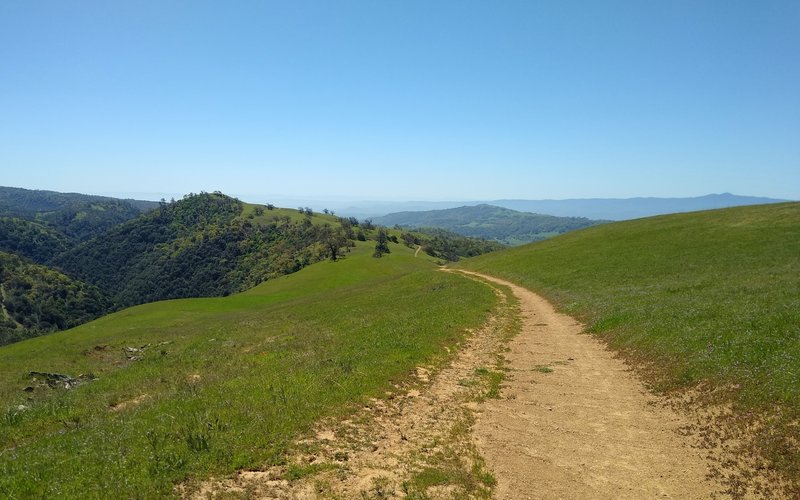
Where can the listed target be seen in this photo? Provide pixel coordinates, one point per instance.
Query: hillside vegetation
(36, 300)
(210, 244)
(182, 389)
(204, 245)
(77, 217)
(197, 247)
(489, 222)
(706, 300)
(31, 239)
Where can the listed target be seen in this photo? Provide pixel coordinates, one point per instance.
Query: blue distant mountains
(590, 208)
(631, 208)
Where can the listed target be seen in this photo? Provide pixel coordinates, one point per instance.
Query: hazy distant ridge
(490, 222)
(591, 208)
(631, 208)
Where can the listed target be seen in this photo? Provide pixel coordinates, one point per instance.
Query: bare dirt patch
(122, 405)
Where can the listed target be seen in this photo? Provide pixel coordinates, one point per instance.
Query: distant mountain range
(490, 222)
(632, 208)
(591, 208)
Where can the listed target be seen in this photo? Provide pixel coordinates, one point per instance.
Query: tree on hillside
(333, 240)
(347, 227)
(409, 239)
(382, 244)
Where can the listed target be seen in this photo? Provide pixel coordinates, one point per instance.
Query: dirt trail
(575, 423)
(571, 421)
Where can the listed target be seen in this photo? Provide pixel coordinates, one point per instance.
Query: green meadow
(706, 300)
(222, 383)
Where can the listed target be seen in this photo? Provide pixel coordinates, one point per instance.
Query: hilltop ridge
(507, 226)
(591, 208)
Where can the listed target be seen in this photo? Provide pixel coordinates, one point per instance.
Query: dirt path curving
(569, 421)
(575, 423)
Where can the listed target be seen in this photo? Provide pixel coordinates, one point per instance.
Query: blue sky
(402, 100)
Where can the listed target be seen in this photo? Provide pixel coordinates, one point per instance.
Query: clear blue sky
(402, 99)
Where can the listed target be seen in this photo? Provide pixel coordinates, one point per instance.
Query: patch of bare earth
(122, 405)
(576, 423)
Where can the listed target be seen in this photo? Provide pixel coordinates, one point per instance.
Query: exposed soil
(572, 422)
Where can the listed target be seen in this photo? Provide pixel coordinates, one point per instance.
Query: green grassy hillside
(192, 387)
(710, 297)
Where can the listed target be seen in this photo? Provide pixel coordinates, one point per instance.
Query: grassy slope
(239, 379)
(708, 296)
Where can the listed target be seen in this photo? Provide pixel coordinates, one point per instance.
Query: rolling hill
(708, 301)
(489, 222)
(189, 388)
(203, 245)
(78, 217)
(209, 244)
(175, 391)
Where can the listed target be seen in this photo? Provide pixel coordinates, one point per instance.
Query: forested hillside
(36, 300)
(489, 222)
(78, 217)
(31, 239)
(447, 245)
(199, 246)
